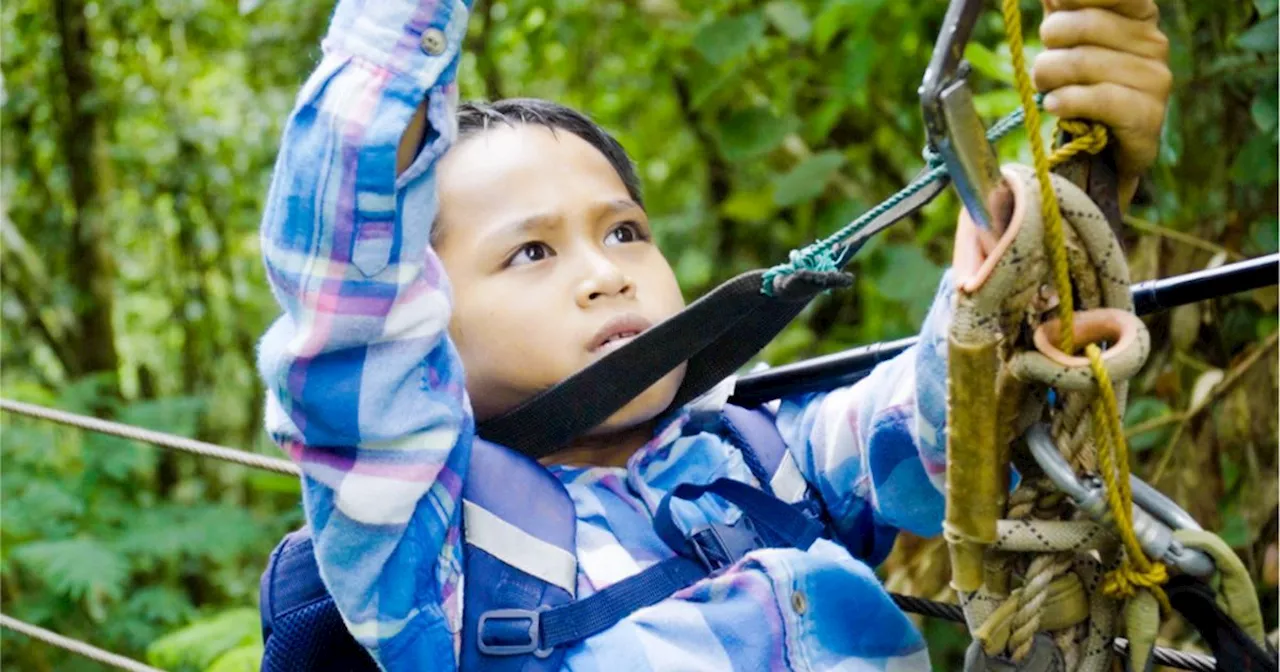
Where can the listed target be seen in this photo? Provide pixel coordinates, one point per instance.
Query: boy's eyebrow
(550, 220)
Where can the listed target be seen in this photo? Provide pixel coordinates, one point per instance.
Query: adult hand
(1107, 61)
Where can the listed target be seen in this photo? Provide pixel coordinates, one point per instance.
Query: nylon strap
(781, 524)
(579, 620)
(716, 335)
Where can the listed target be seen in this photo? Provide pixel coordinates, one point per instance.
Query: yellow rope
(1113, 461)
(1086, 137)
(1135, 570)
(1054, 239)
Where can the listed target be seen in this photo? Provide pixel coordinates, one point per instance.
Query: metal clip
(1154, 515)
(951, 122)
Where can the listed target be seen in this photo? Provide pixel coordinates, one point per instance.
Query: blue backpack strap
(755, 433)
(519, 559)
(301, 626)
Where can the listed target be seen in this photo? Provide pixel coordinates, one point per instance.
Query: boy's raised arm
(364, 389)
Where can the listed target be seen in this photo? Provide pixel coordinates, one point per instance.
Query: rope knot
(1125, 581)
(1087, 137)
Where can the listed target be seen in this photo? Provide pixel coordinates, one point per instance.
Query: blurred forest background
(138, 140)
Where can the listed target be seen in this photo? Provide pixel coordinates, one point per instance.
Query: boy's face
(548, 255)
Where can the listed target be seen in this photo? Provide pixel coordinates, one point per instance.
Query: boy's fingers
(1057, 68)
(1099, 27)
(1133, 116)
(1142, 10)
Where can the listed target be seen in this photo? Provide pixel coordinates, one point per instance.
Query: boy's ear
(412, 139)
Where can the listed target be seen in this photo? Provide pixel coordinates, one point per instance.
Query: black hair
(475, 117)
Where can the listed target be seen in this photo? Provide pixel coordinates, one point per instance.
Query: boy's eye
(530, 253)
(626, 232)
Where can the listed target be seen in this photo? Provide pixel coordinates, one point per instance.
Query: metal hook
(951, 122)
(1153, 528)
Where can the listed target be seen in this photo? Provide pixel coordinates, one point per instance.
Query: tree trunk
(82, 139)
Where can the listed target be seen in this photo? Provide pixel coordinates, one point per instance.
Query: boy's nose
(603, 279)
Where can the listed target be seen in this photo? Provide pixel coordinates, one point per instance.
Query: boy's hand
(1107, 61)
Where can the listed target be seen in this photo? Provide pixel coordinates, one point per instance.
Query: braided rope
(161, 439)
(819, 256)
(75, 646)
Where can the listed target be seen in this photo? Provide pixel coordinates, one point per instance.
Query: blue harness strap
(519, 612)
(502, 604)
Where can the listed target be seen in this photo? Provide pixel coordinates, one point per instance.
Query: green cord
(819, 256)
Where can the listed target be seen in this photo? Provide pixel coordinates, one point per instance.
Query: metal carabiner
(951, 121)
(1154, 515)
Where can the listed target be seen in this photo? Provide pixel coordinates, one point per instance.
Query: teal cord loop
(821, 255)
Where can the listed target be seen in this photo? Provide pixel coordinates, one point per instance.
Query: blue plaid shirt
(366, 393)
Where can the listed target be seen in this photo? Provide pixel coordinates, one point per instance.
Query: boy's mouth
(617, 332)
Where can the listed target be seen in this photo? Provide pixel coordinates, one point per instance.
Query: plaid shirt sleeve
(881, 442)
(365, 391)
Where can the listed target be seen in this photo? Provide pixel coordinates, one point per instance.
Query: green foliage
(223, 643)
(757, 127)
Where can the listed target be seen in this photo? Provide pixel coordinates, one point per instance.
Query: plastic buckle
(718, 546)
(533, 616)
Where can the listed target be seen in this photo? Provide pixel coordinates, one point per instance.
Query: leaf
(81, 569)
(1264, 110)
(1265, 7)
(1263, 36)
(989, 63)
(729, 38)
(909, 277)
(833, 16)
(748, 205)
(752, 132)
(1256, 163)
(859, 59)
(694, 269)
(1262, 237)
(1235, 531)
(240, 659)
(807, 180)
(204, 641)
(1144, 409)
(789, 18)
(1171, 140)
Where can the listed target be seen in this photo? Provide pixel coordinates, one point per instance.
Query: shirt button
(433, 41)
(799, 602)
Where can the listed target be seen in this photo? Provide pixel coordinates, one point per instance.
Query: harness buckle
(718, 545)
(500, 632)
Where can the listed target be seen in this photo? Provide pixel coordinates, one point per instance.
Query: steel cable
(75, 646)
(161, 439)
(1164, 656)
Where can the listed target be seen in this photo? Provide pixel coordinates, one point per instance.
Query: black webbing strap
(716, 334)
(1233, 649)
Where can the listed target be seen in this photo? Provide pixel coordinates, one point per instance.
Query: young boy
(522, 255)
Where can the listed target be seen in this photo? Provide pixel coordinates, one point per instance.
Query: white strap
(788, 483)
(512, 545)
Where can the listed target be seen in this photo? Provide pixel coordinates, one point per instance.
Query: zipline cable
(75, 646)
(1162, 656)
(278, 465)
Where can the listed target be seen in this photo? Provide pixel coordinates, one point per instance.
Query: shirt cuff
(421, 38)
